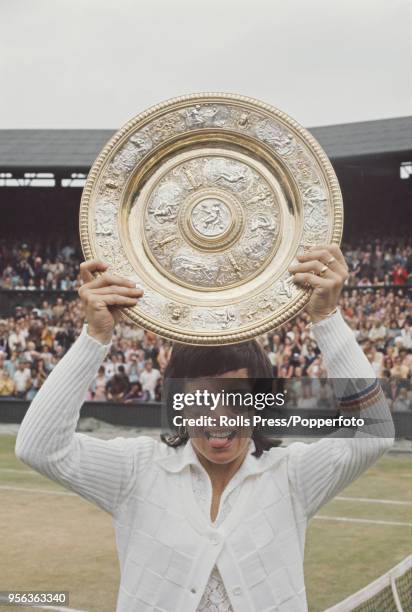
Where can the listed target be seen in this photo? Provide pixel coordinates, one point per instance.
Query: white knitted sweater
(170, 553)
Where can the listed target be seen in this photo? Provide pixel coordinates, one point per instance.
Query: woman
(98, 387)
(206, 524)
(133, 368)
(39, 375)
(6, 384)
(118, 385)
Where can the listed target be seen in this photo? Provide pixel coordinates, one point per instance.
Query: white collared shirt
(215, 597)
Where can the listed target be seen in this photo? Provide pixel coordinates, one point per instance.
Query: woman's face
(220, 444)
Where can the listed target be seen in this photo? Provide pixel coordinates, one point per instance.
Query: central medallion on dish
(211, 217)
(211, 220)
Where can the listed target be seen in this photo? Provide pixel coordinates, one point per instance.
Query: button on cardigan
(167, 547)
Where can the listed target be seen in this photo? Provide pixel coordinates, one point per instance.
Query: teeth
(220, 434)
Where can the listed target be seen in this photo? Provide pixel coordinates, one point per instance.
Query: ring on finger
(330, 261)
(323, 270)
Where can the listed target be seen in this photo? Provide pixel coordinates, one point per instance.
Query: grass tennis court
(52, 539)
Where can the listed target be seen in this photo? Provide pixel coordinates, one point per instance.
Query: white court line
(62, 609)
(32, 490)
(373, 500)
(349, 499)
(15, 471)
(322, 517)
(59, 608)
(345, 519)
(3, 600)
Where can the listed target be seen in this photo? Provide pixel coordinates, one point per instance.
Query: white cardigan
(167, 548)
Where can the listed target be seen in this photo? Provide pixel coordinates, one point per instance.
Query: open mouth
(221, 435)
(220, 440)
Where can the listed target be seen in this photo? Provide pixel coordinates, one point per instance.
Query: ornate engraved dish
(205, 200)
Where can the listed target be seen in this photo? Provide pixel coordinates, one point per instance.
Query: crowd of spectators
(34, 339)
(379, 262)
(39, 265)
(55, 264)
(381, 320)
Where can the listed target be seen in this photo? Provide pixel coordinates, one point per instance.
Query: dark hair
(196, 361)
(201, 361)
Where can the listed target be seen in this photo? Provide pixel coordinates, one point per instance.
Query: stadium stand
(43, 171)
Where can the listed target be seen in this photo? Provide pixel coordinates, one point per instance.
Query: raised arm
(99, 470)
(318, 471)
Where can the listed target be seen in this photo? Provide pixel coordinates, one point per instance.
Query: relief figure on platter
(165, 212)
(193, 270)
(211, 217)
(262, 223)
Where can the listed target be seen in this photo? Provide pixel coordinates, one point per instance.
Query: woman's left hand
(323, 267)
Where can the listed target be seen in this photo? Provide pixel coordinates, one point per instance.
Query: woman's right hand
(102, 295)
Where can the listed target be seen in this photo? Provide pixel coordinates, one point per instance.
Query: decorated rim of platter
(175, 330)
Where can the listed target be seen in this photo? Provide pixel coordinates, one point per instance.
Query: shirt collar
(184, 456)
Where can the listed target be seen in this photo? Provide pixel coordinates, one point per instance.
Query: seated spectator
(47, 337)
(10, 365)
(405, 337)
(149, 378)
(399, 275)
(378, 331)
(136, 394)
(30, 354)
(46, 311)
(22, 379)
(6, 384)
(118, 385)
(47, 357)
(17, 337)
(399, 369)
(98, 390)
(316, 369)
(59, 308)
(133, 368)
(375, 357)
(39, 375)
